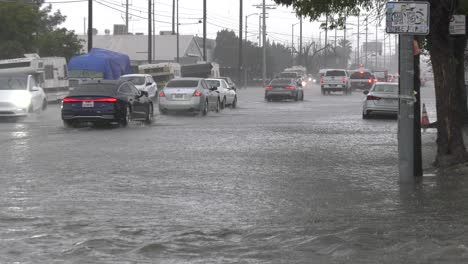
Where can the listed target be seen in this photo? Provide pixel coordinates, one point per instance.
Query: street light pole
(178, 35)
(204, 30)
(150, 31)
(90, 25)
(240, 43)
(264, 44)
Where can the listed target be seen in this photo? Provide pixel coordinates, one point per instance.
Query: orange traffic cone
(424, 118)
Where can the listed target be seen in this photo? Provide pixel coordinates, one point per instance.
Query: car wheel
(162, 111)
(44, 105)
(365, 115)
(127, 118)
(68, 123)
(234, 103)
(297, 97)
(205, 108)
(223, 104)
(149, 115)
(218, 106)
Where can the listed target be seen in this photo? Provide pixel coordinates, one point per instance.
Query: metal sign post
(407, 19)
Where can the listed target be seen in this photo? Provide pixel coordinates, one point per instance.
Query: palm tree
(343, 51)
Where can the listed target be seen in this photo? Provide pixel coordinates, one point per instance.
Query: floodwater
(280, 182)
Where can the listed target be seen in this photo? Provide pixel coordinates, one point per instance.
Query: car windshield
(93, 89)
(386, 88)
(335, 73)
(182, 84)
(361, 75)
(280, 82)
(13, 83)
(136, 80)
(214, 83)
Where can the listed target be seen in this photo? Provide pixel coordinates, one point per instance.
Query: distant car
(20, 95)
(381, 99)
(227, 94)
(143, 82)
(106, 102)
(335, 80)
(229, 82)
(189, 95)
(362, 79)
(284, 88)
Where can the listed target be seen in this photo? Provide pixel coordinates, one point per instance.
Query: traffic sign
(458, 25)
(408, 18)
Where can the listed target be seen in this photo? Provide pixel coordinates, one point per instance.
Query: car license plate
(178, 96)
(87, 104)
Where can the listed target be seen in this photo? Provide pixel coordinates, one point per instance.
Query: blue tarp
(110, 63)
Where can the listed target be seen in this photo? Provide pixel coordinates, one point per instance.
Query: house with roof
(136, 47)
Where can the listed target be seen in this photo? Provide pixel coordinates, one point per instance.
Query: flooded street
(278, 182)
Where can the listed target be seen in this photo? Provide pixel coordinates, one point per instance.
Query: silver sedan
(381, 99)
(188, 95)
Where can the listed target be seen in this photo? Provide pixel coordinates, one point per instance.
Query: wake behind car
(189, 95)
(284, 88)
(20, 95)
(106, 102)
(381, 99)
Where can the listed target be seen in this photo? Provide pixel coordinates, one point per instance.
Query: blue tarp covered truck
(99, 64)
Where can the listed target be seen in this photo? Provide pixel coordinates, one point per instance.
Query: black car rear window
(363, 75)
(93, 89)
(335, 73)
(182, 84)
(280, 82)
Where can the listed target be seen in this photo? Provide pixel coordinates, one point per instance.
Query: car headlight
(22, 101)
(304, 83)
(310, 79)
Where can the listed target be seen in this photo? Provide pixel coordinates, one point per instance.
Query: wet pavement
(280, 182)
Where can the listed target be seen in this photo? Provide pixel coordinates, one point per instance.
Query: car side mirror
(148, 84)
(365, 92)
(144, 93)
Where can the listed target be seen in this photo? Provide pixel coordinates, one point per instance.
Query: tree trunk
(447, 79)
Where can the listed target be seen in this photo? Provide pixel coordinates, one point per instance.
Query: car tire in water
(223, 103)
(302, 96)
(365, 115)
(127, 117)
(149, 115)
(204, 111)
(44, 105)
(218, 106)
(68, 123)
(234, 103)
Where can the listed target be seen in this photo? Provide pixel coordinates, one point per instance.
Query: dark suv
(362, 79)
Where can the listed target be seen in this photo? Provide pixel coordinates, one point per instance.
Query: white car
(143, 82)
(381, 99)
(227, 94)
(20, 95)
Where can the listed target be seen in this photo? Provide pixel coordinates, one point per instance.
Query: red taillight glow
(372, 98)
(197, 93)
(161, 94)
(369, 81)
(101, 100)
(344, 79)
(291, 88)
(321, 80)
(269, 88)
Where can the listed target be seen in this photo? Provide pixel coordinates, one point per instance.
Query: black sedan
(109, 102)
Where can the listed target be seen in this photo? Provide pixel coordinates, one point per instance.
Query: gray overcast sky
(221, 14)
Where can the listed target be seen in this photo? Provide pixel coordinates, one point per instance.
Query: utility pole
(326, 42)
(300, 41)
(126, 17)
(177, 45)
(90, 25)
(358, 39)
(365, 47)
(154, 31)
(406, 112)
(173, 16)
(259, 30)
(241, 8)
(84, 25)
(376, 45)
(204, 30)
(264, 44)
(150, 31)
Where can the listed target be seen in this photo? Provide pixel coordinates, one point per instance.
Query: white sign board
(408, 18)
(458, 25)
